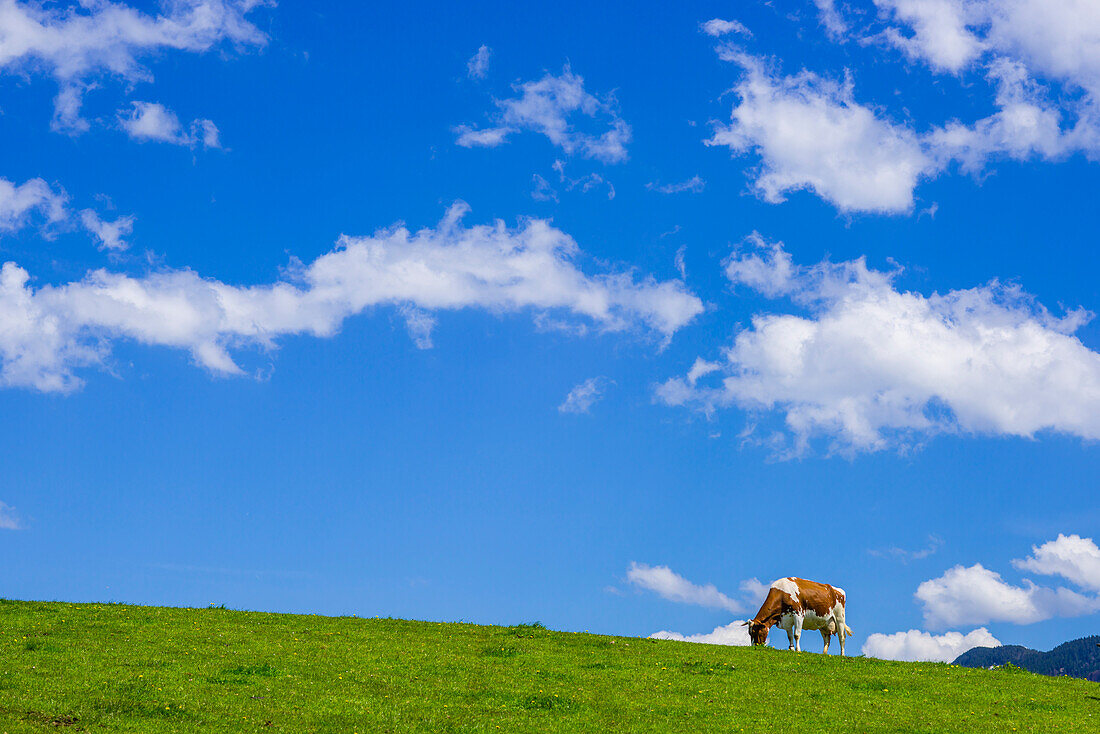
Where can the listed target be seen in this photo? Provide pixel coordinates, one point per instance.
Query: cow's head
(758, 632)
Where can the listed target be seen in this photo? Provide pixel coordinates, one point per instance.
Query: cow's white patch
(787, 586)
(812, 621)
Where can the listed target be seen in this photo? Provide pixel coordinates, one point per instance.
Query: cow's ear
(746, 624)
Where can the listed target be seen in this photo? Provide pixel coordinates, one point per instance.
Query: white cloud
(469, 137)
(8, 519)
(419, 324)
(810, 133)
(1056, 40)
(718, 27)
(109, 234)
(872, 367)
(582, 397)
(831, 19)
(969, 595)
(586, 183)
(19, 201)
(478, 65)
(1026, 125)
(78, 42)
(734, 633)
(976, 595)
(543, 191)
(904, 555)
(1069, 556)
(672, 586)
(550, 106)
(917, 646)
(153, 121)
(694, 184)
(49, 332)
(939, 32)
(1041, 59)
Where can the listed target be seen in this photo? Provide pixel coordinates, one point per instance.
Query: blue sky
(589, 313)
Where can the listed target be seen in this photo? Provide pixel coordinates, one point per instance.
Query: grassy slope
(104, 667)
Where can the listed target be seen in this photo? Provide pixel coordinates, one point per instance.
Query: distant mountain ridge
(1076, 658)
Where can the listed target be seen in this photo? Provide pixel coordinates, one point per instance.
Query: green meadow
(110, 667)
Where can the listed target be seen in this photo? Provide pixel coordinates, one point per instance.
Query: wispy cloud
(904, 555)
(551, 106)
(718, 27)
(694, 184)
(8, 519)
(108, 234)
(582, 397)
(478, 65)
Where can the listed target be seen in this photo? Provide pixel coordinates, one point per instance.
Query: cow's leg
(841, 629)
(797, 629)
(790, 637)
(825, 636)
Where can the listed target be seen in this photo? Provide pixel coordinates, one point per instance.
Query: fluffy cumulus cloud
(582, 397)
(1072, 557)
(967, 595)
(76, 42)
(938, 31)
(19, 203)
(1057, 38)
(1041, 59)
(48, 332)
(151, 121)
(872, 367)
(810, 133)
(734, 633)
(109, 235)
(970, 595)
(552, 106)
(916, 645)
(8, 519)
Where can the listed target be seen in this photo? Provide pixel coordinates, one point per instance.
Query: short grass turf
(108, 667)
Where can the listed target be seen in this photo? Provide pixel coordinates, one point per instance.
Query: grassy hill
(105, 668)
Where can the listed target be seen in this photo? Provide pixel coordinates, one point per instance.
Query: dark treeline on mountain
(1076, 658)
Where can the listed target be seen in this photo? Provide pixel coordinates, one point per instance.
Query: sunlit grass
(105, 667)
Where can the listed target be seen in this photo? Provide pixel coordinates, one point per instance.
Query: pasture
(117, 668)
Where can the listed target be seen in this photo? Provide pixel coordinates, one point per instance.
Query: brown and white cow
(797, 604)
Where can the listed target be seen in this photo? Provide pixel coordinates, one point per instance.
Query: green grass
(106, 667)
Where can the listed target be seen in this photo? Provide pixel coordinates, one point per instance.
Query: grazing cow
(797, 604)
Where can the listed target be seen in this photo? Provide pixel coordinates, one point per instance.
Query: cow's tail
(848, 631)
